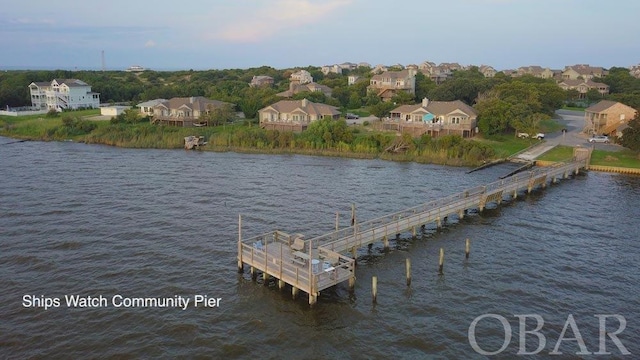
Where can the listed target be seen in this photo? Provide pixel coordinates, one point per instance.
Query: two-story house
(184, 111)
(62, 94)
(295, 115)
(583, 86)
(389, 83)
(301, 77)
(583, 71)
(435, 118)
(605, 117)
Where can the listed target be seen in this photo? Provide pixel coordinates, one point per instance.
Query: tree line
(504, 103)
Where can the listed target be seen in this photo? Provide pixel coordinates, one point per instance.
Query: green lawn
(362, 112)
(558, 153)
(506, 145)
(624, 158)
(574, 108)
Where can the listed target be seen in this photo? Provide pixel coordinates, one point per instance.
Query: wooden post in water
(353, 214)
(294, 292)
(280, 284)
(337, 221)
(374, 289)
(385, 242)
(254, 275)
(441, 262)
(415, 232)
(352, 281)
(467, 248)
(408, 271)
(240, 264)
(461, 214)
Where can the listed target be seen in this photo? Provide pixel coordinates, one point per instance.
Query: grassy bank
(325, 138)
(624, 158)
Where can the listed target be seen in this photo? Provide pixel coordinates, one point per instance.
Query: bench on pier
(300, 258)
(298, 244)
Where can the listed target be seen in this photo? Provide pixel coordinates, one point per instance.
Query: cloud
(29, 21)
(150, 44)
(278, 16)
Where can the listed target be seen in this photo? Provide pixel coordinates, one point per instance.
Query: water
(95, 220)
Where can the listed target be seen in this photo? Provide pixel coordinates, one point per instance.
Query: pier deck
(320, 263)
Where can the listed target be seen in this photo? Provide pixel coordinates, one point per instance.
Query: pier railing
(318, 263)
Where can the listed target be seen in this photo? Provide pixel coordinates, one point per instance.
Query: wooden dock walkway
(312, 265)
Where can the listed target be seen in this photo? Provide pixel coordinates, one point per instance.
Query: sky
(225, 34)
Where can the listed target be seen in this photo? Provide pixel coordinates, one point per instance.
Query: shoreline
(454, 162)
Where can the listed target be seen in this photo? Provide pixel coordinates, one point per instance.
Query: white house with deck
(62, 94)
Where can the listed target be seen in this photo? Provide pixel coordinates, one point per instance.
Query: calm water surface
(94, 220)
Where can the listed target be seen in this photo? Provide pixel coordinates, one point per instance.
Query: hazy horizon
(505, 34)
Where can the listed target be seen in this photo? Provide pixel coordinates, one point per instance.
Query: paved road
(573, 121)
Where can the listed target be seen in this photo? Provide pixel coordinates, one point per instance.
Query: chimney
(425, 102)
(192, 100)
(304, 103)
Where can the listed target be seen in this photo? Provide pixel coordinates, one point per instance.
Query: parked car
(599, 139)
(351, 116)
(538, 136)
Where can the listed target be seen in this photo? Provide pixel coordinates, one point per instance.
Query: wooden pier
(313, 265)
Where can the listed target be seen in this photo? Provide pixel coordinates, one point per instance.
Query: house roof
(438, 108)
(601, 106)
(71, 82)
(311, 108)
(577, 82)
(151, 102)
(199, 103)
(391, 74)
(297, 88)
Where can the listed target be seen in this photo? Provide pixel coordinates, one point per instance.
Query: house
(435, 118)
(364, 64)
(295, 115)
(535, 70)
(487, 71)
(583, 71)
(352, 79)
(301, 77)
(605, 117)
(583, 86)
(635, 71)
(184, 111)
(295, 88)
(261, 80)
(63, 94)
(114, 110)
(146, 108)
(378, 69)
(389, 83)
(327, 69)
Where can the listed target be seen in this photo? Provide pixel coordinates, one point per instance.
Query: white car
(599, 139)
(538, 136)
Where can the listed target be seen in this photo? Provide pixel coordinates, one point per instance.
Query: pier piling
(408, 271)
(374, 289)
(441, 262)
(467, 248)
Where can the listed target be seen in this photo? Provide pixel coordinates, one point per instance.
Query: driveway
(573, 121)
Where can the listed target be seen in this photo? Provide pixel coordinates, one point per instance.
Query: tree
(218, 115)
(593, 95)
(493, 117)
(382, 109)
(355, 101)
(631, 135)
